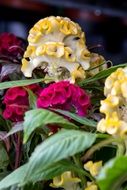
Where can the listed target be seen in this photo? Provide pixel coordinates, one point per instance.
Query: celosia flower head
(11, 47)
(17, 102)
(57, 46)
(67, 181)
(93, 168)
(114, 106)
(66, 96)
(97, 64)
(91, 186)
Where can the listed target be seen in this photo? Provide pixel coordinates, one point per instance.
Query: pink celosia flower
(66, 96)
(11, 47)
(17, 103)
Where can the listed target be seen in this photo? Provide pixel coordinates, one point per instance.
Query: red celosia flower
(17, 103)
(66, 96)
(11, 47)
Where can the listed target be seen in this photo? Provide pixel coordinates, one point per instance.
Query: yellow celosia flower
(91, 186)
(113, 82)
(69, 55)
(24, 64)
(123, 129)
(26, 68)
(97, 64)
(45, 26)
(124, 89)
(29, 52)
(109, 104)
(67, 27)
(93, 168)
(66, 181)
(114, 106)
(110, 125)
(55, 49)
(34, 38)
(85, 54)
(40, 50)
(57, 46)
(78, 74)
(102, 126)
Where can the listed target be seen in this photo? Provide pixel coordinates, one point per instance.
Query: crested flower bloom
(93, 168)
(17, 103)
(66, 96)
(67, 181)
(57, 46)
(114, 106)
(11, 47)
(97, 64)
(91, 186)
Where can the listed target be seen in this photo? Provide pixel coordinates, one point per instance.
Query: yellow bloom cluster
(97, 64)
(91, 186)
(93, 168)
(57, 46)
(67, 181)
(114, 106)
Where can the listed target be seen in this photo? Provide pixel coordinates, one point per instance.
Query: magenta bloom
(11, 47)
(17, 103)
(66, 96)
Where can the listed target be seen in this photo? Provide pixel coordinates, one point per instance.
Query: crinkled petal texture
(67, 181)
(11, 46)
(91, 186)
(57, 46)
(17, 103)
(93, 168)
(66, 96)
(115, 105)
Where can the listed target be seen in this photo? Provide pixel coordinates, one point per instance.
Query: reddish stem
(18, 151)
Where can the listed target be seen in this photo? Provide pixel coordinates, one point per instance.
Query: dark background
(104, 21)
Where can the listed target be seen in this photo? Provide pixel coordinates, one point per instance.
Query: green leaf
(81, 120)
(14, 178)
(3, 174)
(101, 75)
(47, 160)
(113, 174)
(17, 177)
(62, 145)
(36, 186)
(40, 117)
(53, 170)
(5, 85)
(16, 128)
(4, 159)
(32, 99)
(3, 122)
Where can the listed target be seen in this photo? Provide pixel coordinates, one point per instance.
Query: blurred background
(104, 21)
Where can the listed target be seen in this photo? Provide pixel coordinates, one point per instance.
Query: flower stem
(77, 161)
(121, 148)
(18, 151)
(118, 141)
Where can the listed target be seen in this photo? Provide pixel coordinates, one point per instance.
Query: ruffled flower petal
(17, 103)
(115, 105)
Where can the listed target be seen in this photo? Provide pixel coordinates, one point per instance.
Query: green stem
(94, 148)
(85, 173)
(81, 175)
(121, 148)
